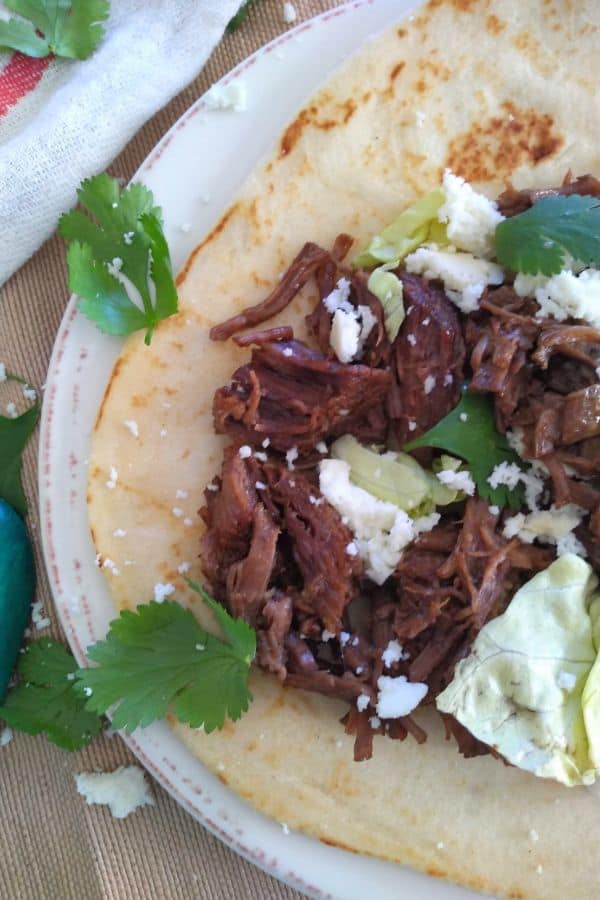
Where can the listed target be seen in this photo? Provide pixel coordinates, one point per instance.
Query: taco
(454, 121)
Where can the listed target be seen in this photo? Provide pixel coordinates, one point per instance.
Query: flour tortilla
(496, 91)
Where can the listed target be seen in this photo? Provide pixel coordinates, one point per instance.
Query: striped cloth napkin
(61, 121)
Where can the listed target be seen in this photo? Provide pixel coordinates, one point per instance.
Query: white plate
(195, 172)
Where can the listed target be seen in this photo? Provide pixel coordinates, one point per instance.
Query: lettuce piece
(530, 686)
(387, 287)
(395, 477)
(417, 224)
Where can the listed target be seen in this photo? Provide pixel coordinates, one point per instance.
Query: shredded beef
(427, 360)
(296, 397)
(276, 553)
(302, 269)
(276, 621)
(512, 202)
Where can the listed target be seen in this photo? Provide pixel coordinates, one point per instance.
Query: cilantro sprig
(539, 239)
(46, 700)
(68, 28)
(469, 431)
(153, 660)
(159, 658)
(14, 434)
(118, 258)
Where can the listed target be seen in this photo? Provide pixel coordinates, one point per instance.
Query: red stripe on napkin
(18, 78)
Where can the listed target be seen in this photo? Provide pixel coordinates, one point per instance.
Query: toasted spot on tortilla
(139, 401)
(493, 149)
(207, 240)
(437, 69)
(420, 85)
(401, 32)
(494, 25)
(111, 382)
(396, 70)
(309, 117)
(460, 5)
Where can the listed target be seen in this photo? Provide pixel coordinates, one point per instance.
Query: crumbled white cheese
(227, 96)
(350, 326)
(412, 340)
(495, 510)
(163, 432)
(459, 481)
(177, 512)
(327, 635)
(266, 443)
(114, 477)
(564, 295)
(289, 13)
(534, 835)
(429, 384)
(344, 638)
(540, 870)
(448, 379)
(393, 653)
(184, 567)
(37, 616)
(187, 521)
(128, 237)
(550, 526)
(397, 696)
(133, 427)
(29, 393)
(440, 845)
(162, 591)
(465, 277)
(245, 451)
(119, 533)
(566, 680)
(111, 566)
(6, 736)
(285, 828)
(11, 410)
(508, 474)
(261, 457)
(426, 321)
(123, 790)
(381, 530)
(362, 702)
(322, 447)
(260, 486)
(374, 722)
(287, 351)
(181, 495)
(3, 375)
(412, 425)
(352, 549)
(212, 487)
(291, 456)
(470, 218)
(344, 335)
(338, 298)
(463, 417)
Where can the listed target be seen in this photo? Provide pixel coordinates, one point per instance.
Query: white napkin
(61, 121)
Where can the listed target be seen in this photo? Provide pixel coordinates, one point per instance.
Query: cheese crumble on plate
(123, 790)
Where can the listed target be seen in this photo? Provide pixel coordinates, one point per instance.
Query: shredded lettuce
(387, 287)
(417, 224)
(530, 686)
(396, 477)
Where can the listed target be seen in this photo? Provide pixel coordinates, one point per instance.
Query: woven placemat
(53, 846)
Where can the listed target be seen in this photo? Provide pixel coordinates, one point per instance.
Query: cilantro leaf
(159, 658)
(14, 434)
(118, 258)
(46, 700)
(538, 240)
(240, 16)
(69, 28)
(477, 441)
